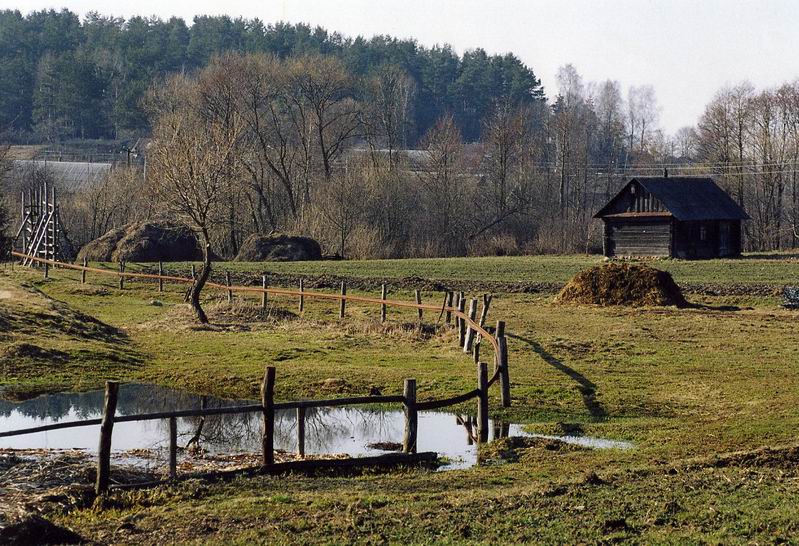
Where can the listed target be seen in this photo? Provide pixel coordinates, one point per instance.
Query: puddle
(328, 430)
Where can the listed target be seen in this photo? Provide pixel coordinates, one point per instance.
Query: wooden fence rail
(267, 407)
(471, 332)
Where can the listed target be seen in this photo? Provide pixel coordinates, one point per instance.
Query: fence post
(467, 343)
(268, 404)
(106, 429)
(263, 294)
(83, 271)
(301, 432)
(484, 313)
(46, 270)
(504, 375)
(343, 300)
(461, 323)
(448, 304)
(302, 298)
(500, 332)
(160, 275)
(419, 310)
(193, 273)
(121, 274)
(482, 402)
(456, 299)
(173, 448)
(383, 293)
(229, 291)
(476, 351)
(411, 417)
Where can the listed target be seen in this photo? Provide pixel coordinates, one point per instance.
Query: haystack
(278, 248)
(622, 284)
(144, 242)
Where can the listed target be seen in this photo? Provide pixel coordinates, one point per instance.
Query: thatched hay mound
(622, 284)
(144, 242)
(278, 248)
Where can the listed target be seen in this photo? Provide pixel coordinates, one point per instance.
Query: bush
(498, 244)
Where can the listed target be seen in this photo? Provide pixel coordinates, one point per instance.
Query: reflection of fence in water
(325, 428)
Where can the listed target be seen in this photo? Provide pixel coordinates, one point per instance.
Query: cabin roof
(686, 198)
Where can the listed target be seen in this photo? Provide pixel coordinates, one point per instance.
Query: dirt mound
(144, 242)
(278, 248)
(36, 530)
(622, 284)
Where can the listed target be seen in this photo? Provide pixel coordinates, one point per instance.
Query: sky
(686, 49)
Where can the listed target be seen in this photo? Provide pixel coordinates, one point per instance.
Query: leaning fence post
(229, 291)
(173, 448)
(302, 298)
(268, 405)
(301, 432)
(461, 322)
(484, 313)
(343, 304)
(383, 293)
(419, 311)
(476, 351)
(482, 401)
(411, 417)
(121, 274)
(106, 429)
(470, 331)
(448, 305)
(263, 294)
(160, 276)
(83, 271)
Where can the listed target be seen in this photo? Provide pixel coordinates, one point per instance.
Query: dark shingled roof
(688, 198)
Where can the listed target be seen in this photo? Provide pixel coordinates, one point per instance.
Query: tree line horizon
(310, 131)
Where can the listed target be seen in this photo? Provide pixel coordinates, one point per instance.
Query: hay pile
(278, 248)
(144, 242)
(622, 284)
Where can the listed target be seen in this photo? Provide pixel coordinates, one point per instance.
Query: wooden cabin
(677, 217)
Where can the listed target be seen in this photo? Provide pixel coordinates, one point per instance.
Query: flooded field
(354, 432)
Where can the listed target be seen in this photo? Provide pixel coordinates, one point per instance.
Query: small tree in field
(192, 170)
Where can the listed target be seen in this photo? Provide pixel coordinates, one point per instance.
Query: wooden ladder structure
(40, 234)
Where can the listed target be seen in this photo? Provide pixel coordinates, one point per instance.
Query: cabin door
(724, 238)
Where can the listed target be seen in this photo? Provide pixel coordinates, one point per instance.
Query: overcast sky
(686, 49)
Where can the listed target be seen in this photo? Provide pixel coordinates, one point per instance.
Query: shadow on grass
(586, 387)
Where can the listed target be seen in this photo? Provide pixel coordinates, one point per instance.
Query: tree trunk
(199, 283)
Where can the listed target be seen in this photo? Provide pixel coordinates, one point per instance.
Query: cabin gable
(634, 199)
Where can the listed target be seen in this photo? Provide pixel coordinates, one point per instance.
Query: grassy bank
(687, 386)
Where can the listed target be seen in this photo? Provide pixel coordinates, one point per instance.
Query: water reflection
(328, 430)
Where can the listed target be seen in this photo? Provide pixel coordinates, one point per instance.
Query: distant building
(69, 175)
(678, 217)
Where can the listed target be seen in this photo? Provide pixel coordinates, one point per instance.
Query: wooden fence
(267, 408)
(471, 333)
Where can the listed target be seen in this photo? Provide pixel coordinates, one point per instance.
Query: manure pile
(622, 284)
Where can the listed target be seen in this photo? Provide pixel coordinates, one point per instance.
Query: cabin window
(703, 233)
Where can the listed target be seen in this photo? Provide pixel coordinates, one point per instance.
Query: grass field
(709, 395)
(776, 268)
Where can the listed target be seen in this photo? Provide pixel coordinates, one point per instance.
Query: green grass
(685, 385)
(773, 269)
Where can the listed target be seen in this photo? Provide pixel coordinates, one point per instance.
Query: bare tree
(192, 174)
(386, 112)
(322, 91)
